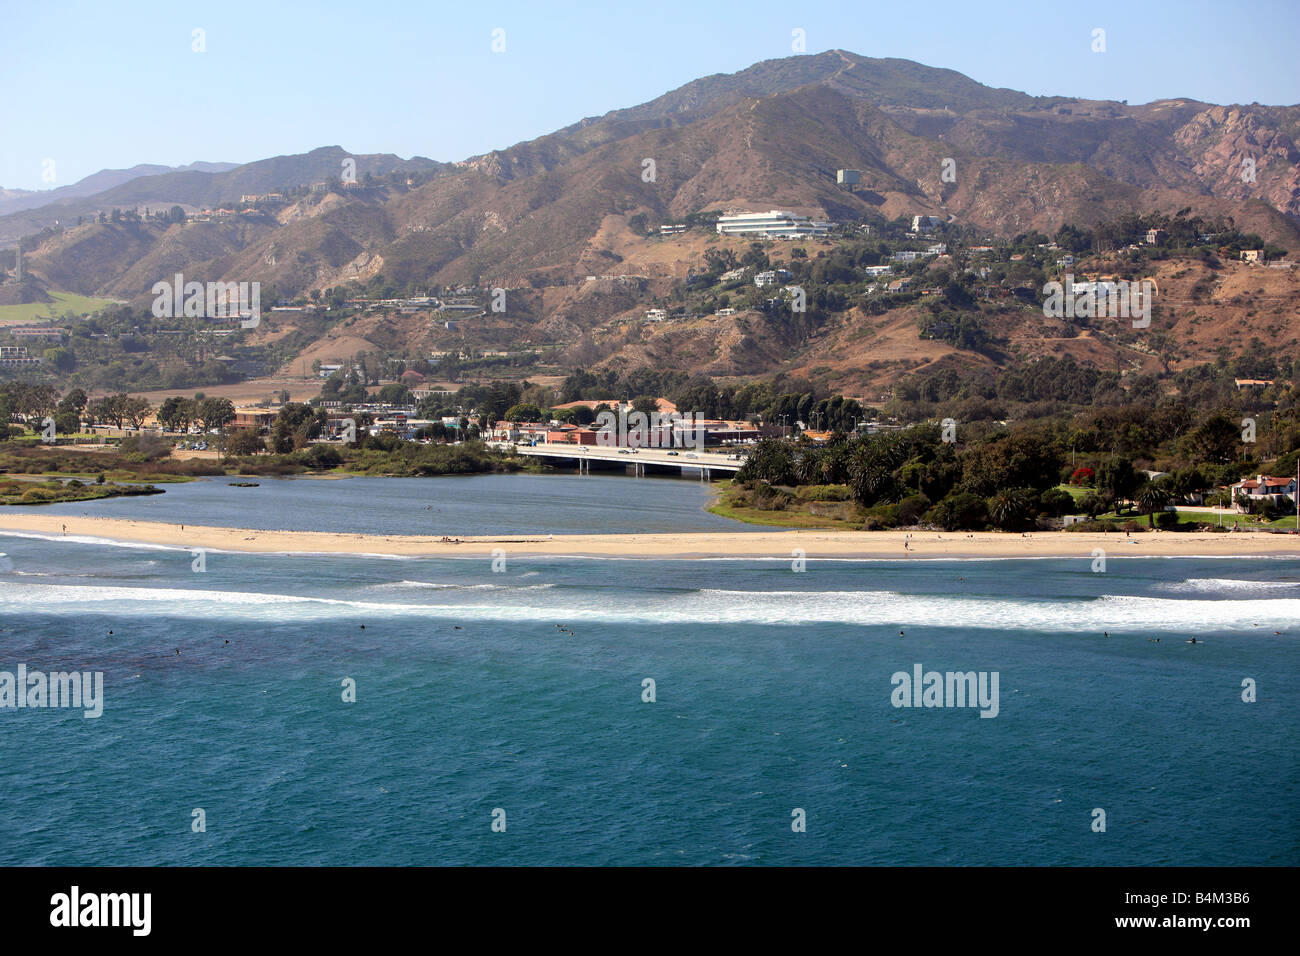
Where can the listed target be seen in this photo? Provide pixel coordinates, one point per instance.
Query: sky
(94, 85)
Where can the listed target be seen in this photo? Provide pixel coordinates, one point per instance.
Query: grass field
(1247, 522)
(63, 302)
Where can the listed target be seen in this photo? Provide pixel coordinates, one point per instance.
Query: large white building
(773, 224)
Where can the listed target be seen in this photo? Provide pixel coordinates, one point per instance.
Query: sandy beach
(758, 544)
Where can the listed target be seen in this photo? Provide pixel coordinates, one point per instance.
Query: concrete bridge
(640, 461)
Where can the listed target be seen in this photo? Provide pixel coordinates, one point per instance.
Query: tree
(214, 413)
(108, 409)
(1215, 440)
(1056, 502)
(243, 441)
(395, 394)
(1011, 509)
(1117, 477)
(295, 426)
(959, 511)
(524, 412)
(175, 414)
(1151, 498)
(61, 358)
(135, 411)
(645, 404)
(1092, 504)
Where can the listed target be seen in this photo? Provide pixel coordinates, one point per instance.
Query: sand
(757, 544)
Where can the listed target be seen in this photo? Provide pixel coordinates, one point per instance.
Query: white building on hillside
(773, 224)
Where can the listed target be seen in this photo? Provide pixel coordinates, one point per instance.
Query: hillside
(540, 217)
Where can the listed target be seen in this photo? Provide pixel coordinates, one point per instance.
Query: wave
(438, 586)
(1211, 585)
(1112, 613)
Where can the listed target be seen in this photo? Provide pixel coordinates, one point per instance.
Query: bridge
(640, 461)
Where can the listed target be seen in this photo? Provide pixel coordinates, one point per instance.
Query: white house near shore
(1263, 486)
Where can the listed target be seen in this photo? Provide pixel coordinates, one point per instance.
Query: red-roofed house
(1262, 486)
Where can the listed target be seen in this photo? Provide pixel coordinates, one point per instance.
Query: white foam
(687, 608)
(1210, 585)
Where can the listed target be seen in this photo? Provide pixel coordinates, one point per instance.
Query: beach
(710, 544)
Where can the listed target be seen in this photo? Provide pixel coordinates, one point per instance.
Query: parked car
(672, 453)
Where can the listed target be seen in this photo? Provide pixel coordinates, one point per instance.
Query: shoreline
(685, 545)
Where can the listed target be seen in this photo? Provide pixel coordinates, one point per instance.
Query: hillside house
(771, 277)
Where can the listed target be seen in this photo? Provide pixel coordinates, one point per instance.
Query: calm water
(773, 693)
(477, 504)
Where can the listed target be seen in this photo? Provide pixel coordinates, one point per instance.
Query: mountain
(19, 199)
(544, 214)
(198, 186)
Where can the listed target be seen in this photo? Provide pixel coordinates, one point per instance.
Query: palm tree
(1150, 499)
(1010, 509)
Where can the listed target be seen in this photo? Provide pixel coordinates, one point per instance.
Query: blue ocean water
(773, 693)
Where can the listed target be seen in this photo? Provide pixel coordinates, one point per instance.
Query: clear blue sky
(97, 85)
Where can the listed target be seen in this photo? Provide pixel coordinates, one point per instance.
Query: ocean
(508, 717)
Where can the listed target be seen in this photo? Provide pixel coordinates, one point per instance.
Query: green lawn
(1247, 522)
(1077, 492)
(63, 302)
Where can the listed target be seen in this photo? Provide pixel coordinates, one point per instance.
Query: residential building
(921, 223)
(1252, 255)
(771, 277)
(1263, 486)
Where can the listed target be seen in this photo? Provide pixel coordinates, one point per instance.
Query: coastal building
(773, 224)
(672, 230)
(921, 223)
(1264, 486)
